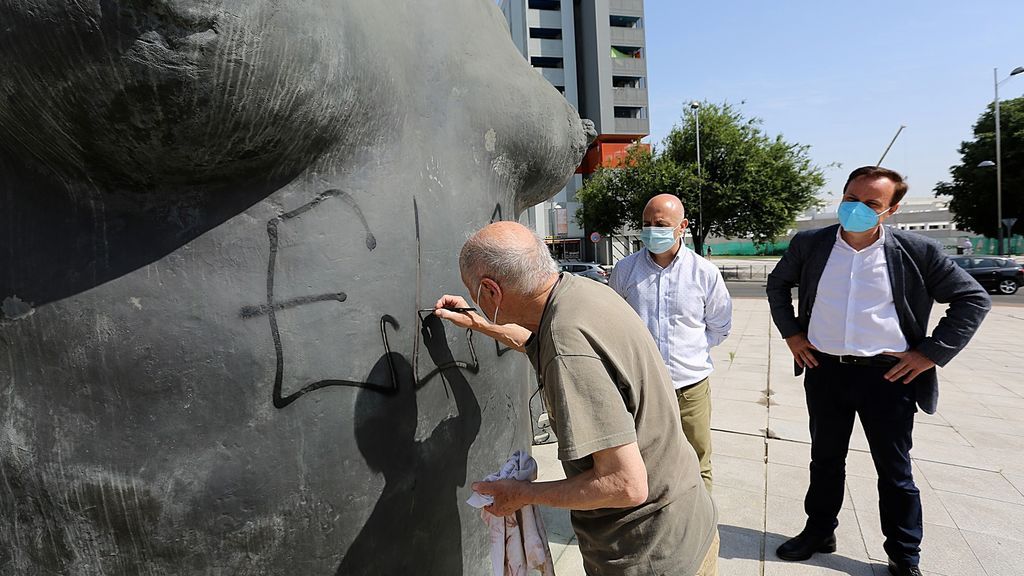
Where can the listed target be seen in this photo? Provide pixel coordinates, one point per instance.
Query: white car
(586, 269)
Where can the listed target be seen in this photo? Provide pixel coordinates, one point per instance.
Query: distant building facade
(593, 52)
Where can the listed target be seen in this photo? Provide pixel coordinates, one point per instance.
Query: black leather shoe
(804, 545)
(897, 570)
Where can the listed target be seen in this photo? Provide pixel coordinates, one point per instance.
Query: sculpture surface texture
(218, 222)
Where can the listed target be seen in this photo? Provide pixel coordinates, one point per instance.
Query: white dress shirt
(854, 312)
(686, 307)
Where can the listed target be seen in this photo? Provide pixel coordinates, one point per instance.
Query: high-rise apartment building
(594, 52)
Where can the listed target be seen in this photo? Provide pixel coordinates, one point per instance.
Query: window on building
(546, 62)
(545, 4)
(625, 21)
(546, 33)
(627, 52)
(630, 112)
(627, 82)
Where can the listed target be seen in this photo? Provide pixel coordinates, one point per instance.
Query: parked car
(587, 269)
(1001, 275)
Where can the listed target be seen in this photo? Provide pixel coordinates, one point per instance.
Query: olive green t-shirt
(605, 385)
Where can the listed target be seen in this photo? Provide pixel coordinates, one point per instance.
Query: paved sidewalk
(968, 461)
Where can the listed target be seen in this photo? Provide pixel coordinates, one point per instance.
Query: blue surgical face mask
(658, 239)
(858, 216)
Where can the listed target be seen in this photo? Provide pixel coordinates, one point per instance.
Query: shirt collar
(841, 242)
(678, 257)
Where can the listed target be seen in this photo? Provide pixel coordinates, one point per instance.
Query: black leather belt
(877, 361)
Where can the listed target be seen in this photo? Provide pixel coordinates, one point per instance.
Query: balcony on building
(544, 18)
(631, 120)
(546, 47)
(629, 91)
(628, 61)
(626, 30)
(626, 7)
(556, 76)
(629, 97)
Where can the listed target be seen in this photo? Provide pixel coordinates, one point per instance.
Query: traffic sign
(595, 237)
(1009, 222)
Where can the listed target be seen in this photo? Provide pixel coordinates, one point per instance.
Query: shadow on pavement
(749, 544)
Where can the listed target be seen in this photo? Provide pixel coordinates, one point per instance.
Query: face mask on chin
(480, 304)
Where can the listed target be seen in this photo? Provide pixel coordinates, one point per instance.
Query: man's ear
(491, 286)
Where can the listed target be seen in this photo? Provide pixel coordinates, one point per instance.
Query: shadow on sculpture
(60, 265)
(414, 527)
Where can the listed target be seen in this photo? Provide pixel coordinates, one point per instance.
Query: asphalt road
(756, 290)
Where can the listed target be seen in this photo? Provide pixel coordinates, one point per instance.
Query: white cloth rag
(519, 542)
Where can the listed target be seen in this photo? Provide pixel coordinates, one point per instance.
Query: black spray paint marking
(419, 259)
(271, 307)
(392, 388)
(254, 311)
(472, 368)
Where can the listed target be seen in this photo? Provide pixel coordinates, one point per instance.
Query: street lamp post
(999, 159)
(553, 219)
(695, 106)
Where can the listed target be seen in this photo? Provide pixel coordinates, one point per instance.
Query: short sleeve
(586, 407)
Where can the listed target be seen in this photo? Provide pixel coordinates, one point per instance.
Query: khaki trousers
(710, 565)
(695, 415)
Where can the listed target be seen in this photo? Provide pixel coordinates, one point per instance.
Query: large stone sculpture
(218, 222)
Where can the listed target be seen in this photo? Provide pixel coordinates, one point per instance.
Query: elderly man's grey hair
(506, 255)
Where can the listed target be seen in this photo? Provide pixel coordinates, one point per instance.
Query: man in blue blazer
(860, 334)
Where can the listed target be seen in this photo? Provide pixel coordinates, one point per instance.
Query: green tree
(750, 185)
(974, 189)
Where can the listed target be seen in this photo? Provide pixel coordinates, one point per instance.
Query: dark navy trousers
(835, 393)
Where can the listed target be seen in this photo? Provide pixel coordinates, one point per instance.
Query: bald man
(683, 300)
(632, 484)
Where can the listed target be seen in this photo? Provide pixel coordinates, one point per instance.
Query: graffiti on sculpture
(272, 306)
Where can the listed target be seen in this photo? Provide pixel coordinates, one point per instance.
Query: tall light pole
(999, 159)
(695, 106)
(553, 218)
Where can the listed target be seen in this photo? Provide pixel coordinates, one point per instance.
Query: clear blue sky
(840, 76)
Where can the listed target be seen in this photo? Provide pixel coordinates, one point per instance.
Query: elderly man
(632, 483)
(684, 302)
(861, 335)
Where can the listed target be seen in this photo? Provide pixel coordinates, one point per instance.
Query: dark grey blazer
(920, 274)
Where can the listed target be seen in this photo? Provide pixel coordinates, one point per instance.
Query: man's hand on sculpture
(911, 365)
(471, 320)
(803, 351)
(509, 495)
(511, 335)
